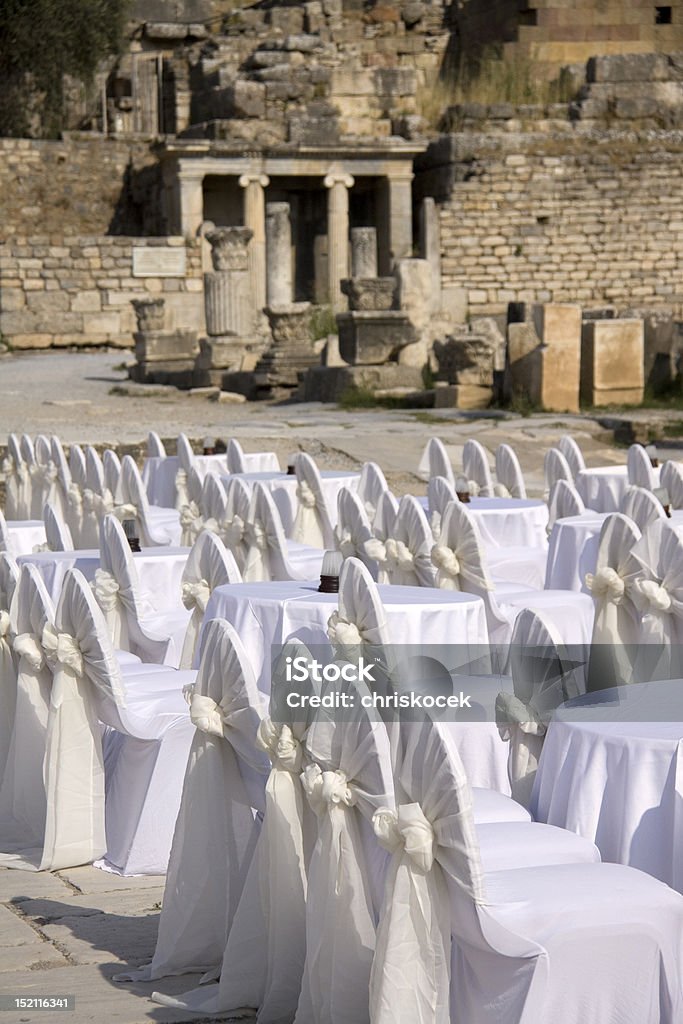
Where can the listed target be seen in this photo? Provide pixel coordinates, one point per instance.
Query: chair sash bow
(28, 645)
(305, 495)
(511, 711)
(653, 596)
(408, 829)
(106, 590)
(341, 631)
(62, 649)
(196, 594)
(606, 584)
(206, 714)
(327, 789)
(281, 746)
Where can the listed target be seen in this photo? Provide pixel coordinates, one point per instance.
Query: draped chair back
(224, 785)
(639, 467)
(77, 466)
(312, 523)
(360, 619)
(642, 506)
(353, 531)
(543, 678)
(77, 469)
(22, 795)
(509, 476)
(671, 478)
(155, 446)
(385, 517)
(43, 450)
(430, 835)
(237, 513)
(63, 482)
(347, 780)
(371, 486)
(9, 578)
(564, 500)
(435, 461)
(476, 468)
(57, 532)
(97, 500)
(213, 504)
(5, 544)
(86, 678)
(439, 494)
(406, 554)
(44, 476)
(120, 597)
(616, 624)
(658, 595)
(572, 453)
(134, 504)
(17, 482)
(267, 547)
(27, 449)
(235, 457)
(112, 473)
(191, 520)
(209, 565)
(556, 467)
(186, 461)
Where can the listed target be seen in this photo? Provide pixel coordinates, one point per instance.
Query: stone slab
(36, 956)
(369, 338)
(16, 886)
(14, 931)
(612, 362)
(328, 383)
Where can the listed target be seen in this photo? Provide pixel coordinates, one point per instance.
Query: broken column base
(329, 383)
(228, 362)
(371, 337)
(165, 357)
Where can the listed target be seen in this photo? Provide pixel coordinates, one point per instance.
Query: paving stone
(14, 931)
(105, 938)
(89, 879)
(38, 956)
(135, 901)
(16, 886)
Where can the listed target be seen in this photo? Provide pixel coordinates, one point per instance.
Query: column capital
(254, 178)
(404, 178)
(338, 178)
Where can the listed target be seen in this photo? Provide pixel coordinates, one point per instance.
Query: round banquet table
(25, 535)
(159, 472)
(160, 571)
(282, 486)
(509, 522)
(612, 771)
(267, 614)
(603, 487)
(573, 551)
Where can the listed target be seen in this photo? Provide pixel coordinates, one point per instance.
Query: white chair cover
(23, 802)
(435, 461)
(63, 484)
(509, 476)
(658, 596)
(97, 500)
(185, 463)
(4, 534)
(134, 624)
(556, 467)
(642, 506)
(134, 505)
(572, 453)
(476, 468)
(235, 457)
(543, 678)
(191, 520)
(234, 532)
(209, 565)
(44, 475)
(439, 494)
(155, 446)
(216, 831)
(213, 504)
(564, 500)
(353, 530)
(9, 577)
(267, 547)
(112, 473)
(74, 517)
(639, 467)
(405, 557)
(670, 477)
(617, 620)
(312, 523)
(371, 486)
(13, 484)
(57, 532)
(385, 517)
(360, 618)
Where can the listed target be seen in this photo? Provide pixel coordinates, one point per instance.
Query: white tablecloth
(265, 614)
(573, 551)
(25, 535)
(160, 571)
(611, 775)
(158, 474)
(603, 487)
(509, 522)
(282, 486)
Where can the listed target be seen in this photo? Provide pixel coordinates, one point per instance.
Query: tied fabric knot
(473, 487)
(22, 470)
(5, 625)
(210, 525)
(206, 714)
(256, 533)
(233, 530)
(106, 590)
(446, 560)
(181, 480)
(653, 595)
(341, 631)
(62, 649)
(27, 645)
(376, 549)
(189, 514)
(435, 524)
(326, 789)
(74, 497)
(8, 465)
(398, 555)
(281, 746)
(126, 511)
(89, 500)
(345, 542)
(370, 509)
(305, 495)
(48, 472)
(511, 711)
(407, 829)
(196, 595)
(606, 583)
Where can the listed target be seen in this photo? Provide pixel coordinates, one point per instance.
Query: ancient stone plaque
(159, 261)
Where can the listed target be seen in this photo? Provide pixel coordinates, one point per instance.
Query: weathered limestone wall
(577, 217)
(77, 290)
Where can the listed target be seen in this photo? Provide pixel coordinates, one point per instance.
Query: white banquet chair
(521, 944)
(156, 526)
(111, 464)
(155, 446)
(133, 622)
(238, 498)
(213, 504)
(77, 470)
(268, 554)
(509, 476)
(404, 558)
(44, 476)
(97, 500)
(371, 486)
(435, 461)
(29, 456)
(658, 596)
(191, 519)
(186, 461)
(671, 478)
(475, 465)
(9, 578)
(223, 789)
(57, 533)
(235, 457)
(642, 506)
(312, 523)
(439, 494)
(563, 501)
(63, 482)
(385, 516)
(209, 565)
(353, 531)
(572, 453)
(10, 468)
(639, 468)
(556, 467)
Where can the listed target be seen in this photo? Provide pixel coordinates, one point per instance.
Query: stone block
(462, 396)
(247, 99)
(454, 302)
(329, 383)
(628, 67)
(373, 337)
(161, 346)
(87, 302)
(12, 300)
(612, 362)
(414, 290)
(544, 350)
(48, 302)
(375, 293)
(466, 359)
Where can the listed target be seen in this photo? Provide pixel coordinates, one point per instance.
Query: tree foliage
(41, 42)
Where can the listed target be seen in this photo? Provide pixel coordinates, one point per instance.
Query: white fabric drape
(134, 505)
(235, 456)
(404, 557)
(572, 453)
(185, 464)
(371, 486)
(63, 477)
(509, 476)
(155, 446)
(312, 523)
(234, 535)
(642, 506)
(639, 466)
(213, 504)
(9, 577)
(563, 501)
(57, 532)
(556, 467)
(353, 530)
(476, 468)
(267, 554)
(112, 473)
(435, 461)
(209, 565)
(657, 593)
(439, 494)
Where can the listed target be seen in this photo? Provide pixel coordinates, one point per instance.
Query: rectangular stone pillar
(279, 281)
(255, 220)
(400, 218)
(191, 202)
(338, 186)
(544, 352)
(363, 252)
(612, 362)
(430, 247)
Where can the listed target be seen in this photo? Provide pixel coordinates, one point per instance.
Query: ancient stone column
(400, 217)
(363, 252)
(255, 219)
(227, 290)
(338, 186)
(279, 283)
(430, 247)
